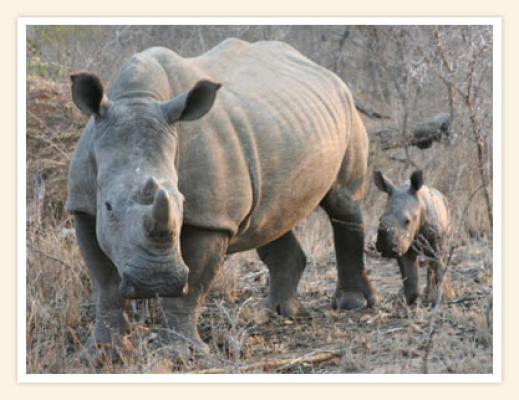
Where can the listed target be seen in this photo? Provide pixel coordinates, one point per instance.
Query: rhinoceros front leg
(286, 262)
(409, 270)
(110, 322)
(354, 289)
(435, 273)
(203, 251)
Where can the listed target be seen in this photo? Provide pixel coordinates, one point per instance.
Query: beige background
(10, 10)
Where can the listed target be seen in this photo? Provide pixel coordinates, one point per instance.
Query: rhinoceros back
(436, 214)
(272, 146)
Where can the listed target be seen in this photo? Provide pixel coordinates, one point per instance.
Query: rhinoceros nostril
(383, 234)
(378, 246)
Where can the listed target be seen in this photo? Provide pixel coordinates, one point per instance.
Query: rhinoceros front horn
(161, 214)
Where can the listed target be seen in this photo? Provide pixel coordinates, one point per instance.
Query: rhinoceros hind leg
(203, 251)
(286, 262)
(354, 289)
(111, 323)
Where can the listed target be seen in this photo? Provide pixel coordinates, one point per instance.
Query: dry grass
(239, 330)
(242, 335)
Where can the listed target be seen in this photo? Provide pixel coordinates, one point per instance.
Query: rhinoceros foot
(287, 308)
(184, 353)
(408, 295)
(430, 296)
(98, 355)
(102, 347)
(354, 299)
(183, 347)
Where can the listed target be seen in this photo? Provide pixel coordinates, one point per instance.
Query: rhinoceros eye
(108, 206)
(407, 221)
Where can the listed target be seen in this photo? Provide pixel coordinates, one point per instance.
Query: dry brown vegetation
(407, 73)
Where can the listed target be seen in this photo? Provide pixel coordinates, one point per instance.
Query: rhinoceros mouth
(389, 254)
(386, 252)
(136, 283)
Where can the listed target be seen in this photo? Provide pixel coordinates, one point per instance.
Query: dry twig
(275, 364)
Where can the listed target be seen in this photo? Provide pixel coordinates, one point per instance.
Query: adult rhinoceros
(168, 177)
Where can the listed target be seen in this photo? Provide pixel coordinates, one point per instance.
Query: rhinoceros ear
(382, 182)
(193, 104)
(416, 181)
(88, 93)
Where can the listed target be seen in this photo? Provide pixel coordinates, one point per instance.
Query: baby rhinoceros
(415, 222)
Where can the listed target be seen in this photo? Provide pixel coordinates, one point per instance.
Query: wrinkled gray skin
(415, 221)
(169, 176)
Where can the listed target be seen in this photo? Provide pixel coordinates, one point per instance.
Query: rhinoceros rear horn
(161, 214)
(88, 93)
(150, 188)
(193, 104)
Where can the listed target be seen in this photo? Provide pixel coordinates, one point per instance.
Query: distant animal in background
(435, 129)
(415, 222)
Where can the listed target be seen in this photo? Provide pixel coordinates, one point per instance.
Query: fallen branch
(369, 113)
(315, 357)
